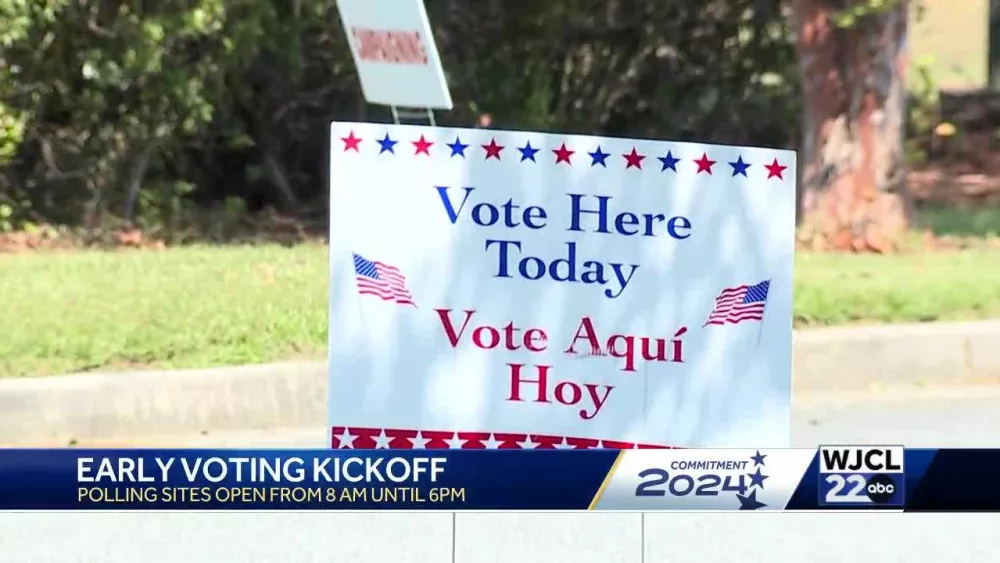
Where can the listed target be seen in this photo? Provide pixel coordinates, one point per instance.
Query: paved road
(944, 417)
(966, 417)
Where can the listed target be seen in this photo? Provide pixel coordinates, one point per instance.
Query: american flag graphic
(737, 304)
(381, 280)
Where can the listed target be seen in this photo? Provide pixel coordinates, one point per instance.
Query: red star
(493, 149)
(633, 159)
(774, 170)
(704, 164)
(351, 142)
(422, 145)
(563, 154)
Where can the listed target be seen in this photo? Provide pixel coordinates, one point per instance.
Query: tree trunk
(852, 185)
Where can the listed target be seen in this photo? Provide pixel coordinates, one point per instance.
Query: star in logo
(387, 145)
(633, 159)
(598, 157)
(563, 154)
(757, 479)
(774, 170)
(750, 502)
(422, 145)
(669, 162)
(528, 152)
(351, 142)
(457, 148)
(492, 149)
(739, 167)
(704, 164)
(757, 459)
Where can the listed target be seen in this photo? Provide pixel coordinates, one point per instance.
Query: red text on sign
(489, 337)
(389, 46)
(628, 347)
(535, 387)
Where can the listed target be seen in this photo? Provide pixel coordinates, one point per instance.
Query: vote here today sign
(503, 289)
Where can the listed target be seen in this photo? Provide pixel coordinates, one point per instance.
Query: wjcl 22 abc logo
(861, 475)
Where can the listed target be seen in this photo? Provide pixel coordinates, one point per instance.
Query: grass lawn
(191, 307)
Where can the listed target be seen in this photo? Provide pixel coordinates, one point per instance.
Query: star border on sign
(346, 440)
(669, 161)
(633, 159)
(419, 438)
(382, 441)
(457, 148)
(775, 170)
(493, 149)
(563, 445)
(528, 443)
(528, 152)
(351, 142)
(422, 146)
(598, 157)
(704, 163)
(492, 443)
(740, 167)
(563, 154)
(455, 442)
(386, 144)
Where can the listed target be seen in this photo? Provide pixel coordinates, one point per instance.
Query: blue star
(598, 157)
(387, 145)
(750, 502)
(527, 153)
(457, 148)
(739, 167)
(758, 459)
(756, 479)
(668, 162)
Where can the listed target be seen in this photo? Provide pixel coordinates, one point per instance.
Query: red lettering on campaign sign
(489, 337)
(389, 46)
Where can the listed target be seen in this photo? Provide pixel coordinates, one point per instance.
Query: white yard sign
(395, 53)
(501, 289)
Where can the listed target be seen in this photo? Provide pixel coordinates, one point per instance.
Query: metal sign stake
(398, 114)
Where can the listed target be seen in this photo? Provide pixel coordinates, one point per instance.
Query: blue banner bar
(841, 477)
(300, 479)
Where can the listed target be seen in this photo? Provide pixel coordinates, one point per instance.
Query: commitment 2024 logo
(713, 478)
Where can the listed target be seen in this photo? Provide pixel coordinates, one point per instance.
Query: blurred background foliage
(153, 109)
(158, 112)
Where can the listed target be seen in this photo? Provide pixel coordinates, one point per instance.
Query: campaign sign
(395, 54)
(503, 289)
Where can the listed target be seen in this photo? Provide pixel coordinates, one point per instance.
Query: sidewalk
(108, 408)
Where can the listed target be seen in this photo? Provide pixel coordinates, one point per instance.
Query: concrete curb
(849, 359)
(103, 407)
(106, 407)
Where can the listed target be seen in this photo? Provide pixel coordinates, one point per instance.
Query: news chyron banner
(832, 478)
(503, 290)
(837, 477)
